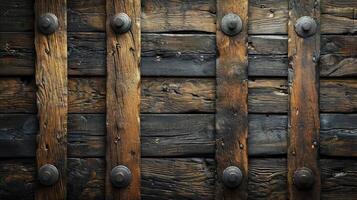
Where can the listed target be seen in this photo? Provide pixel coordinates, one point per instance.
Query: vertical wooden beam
(304, 123)
(123, 99)
(232, 94)
(51, 81)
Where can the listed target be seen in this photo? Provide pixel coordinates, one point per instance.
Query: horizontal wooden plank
(181, 178)
(173, 15)
(164, 135)
(191, 55)
(266, 16)
(178, 95)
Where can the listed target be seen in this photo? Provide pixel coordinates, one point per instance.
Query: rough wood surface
(304, 113)
(178, 55)
(191, 178)
(123, 100)
(178, 95)
(266, 16)
(51, 98)
(177, 135)
(232, 100)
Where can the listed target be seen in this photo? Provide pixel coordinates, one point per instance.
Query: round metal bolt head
(305, 26)
(48, 23)
(48, 175)
(303, 179)
(120, 176)
(120, 23)
(231, 24)
(232, 177)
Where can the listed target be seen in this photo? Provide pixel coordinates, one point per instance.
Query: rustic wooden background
(178, 99)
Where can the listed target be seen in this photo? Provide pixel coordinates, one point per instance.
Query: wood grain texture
(304, 122)
(177, 135)
(179, 178)
(123, 99)
(193, 56)
(232, 100)
(178, 95)
(266, 16)
(52, 94)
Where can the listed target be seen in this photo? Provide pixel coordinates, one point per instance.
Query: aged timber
(123, 99)
(304, 123)
(52, 94)
(232, 98)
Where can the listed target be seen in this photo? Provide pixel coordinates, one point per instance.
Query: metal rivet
(48, 23)
(48, 175)
(305, 26)
(231, 24)
(232, 177)
(120, 23)
(120, 176)
(303, 178)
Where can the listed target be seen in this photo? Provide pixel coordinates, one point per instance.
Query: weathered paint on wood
(304, 121)
(123, 100)
(232, 100)
(51, 95)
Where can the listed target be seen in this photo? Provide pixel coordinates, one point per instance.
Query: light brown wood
(52, 106)
(123, 99)
(232, 100)
(304, 122)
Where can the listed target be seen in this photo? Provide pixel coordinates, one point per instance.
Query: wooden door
(266, 99)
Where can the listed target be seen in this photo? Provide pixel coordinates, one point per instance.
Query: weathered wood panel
(176, 135)
(16, 15)
(266, 16)
(191, 178)
(123, 100)
(173, 15)
(177, 95)
(232, 100)
(52, 98)
(178, 55)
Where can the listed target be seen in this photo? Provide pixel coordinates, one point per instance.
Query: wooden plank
(266, 16)
(190, 178)
(123, 99)
(193, 56)
(193, 135)
(178, 95)
(51, 98)
(304, 122)
(16, 15)
(172, 15)
(232, 100)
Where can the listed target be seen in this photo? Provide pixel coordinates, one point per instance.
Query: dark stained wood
(123, 100)
(338, 137)
(178, 55)
(343, 93)
(51, 98)
(178, 95)
(304, 114)
(232, 100)
(176, 135)
(189, 178)
(16, 15)
(266, 16)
